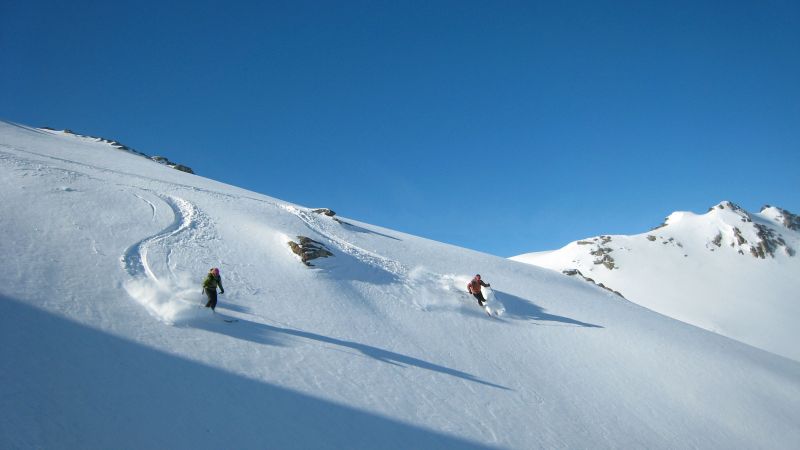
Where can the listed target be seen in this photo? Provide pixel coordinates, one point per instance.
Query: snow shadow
(237, 308)
(66, 385)
(261, 333)
(524, 309)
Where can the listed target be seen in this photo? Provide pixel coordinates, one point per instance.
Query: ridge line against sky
(506, 127)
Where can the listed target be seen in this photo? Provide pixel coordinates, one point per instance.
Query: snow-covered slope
(728, 271)
(105, 344)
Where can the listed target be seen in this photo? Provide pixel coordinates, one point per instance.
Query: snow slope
(728, 271)
(105, 344)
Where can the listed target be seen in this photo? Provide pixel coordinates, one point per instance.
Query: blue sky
(502, 126)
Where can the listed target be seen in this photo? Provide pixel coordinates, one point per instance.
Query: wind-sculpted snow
(155, 282)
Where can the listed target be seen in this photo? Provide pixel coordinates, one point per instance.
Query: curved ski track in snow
(167, 293)
(135, 258)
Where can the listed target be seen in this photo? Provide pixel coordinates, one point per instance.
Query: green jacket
(211, 282)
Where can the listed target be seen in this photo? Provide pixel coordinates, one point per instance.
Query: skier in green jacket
(210, 287)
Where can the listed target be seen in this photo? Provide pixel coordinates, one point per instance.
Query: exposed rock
(651, 238)
(576, 272)
(768, 242)
(662, 225)
(730, 205)
(740, 240)
(601, 251)
(167, 162)
(182, 168)
(603, 257)
(607, 261)
(744, 215)
(324, 211)
(789, 220)
(308, 249)
(120, 146)
(330, 213)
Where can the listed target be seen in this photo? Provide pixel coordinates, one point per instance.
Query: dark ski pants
(479, 296)
(212, 298)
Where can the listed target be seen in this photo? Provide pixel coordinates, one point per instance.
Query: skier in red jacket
(474, 288)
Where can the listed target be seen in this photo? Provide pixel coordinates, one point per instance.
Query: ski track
(323, 227)
(419, 286)
(152, 205)
(187, 219)
(190, 223)
(154, 263)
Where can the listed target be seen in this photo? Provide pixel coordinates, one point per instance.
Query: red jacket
(474, 286)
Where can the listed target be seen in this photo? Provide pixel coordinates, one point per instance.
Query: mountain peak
(781, 216)
(728, 207)
(725, 204)
(701, 268)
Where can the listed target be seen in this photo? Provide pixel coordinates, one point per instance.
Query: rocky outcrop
(600, 251)
(324, 211)
(167, 162)
(661, 225)
(120, 146)
(754, 235)
(737, 234)
(329, 213)
(576, 272)
(603, 257)
(769, 242)
(745, 216)
(786, 218)
(308, 249)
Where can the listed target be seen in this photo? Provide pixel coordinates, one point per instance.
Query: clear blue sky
(501, 126)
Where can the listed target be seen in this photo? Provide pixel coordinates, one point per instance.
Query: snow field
(376, 347)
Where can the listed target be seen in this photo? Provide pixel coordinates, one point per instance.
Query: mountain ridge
(728, 257)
